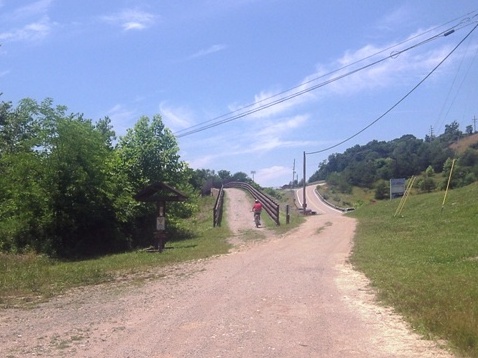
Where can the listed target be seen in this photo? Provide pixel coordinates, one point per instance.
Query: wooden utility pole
(304, 204)
(293, 175)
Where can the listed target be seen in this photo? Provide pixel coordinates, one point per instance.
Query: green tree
(81, 183)
(149, 153)
(225, 175)
(452, 133)
(56, 183)
(240, 176)
(382, 191)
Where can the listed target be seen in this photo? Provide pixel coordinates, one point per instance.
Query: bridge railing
(269, 205)
(218, 208)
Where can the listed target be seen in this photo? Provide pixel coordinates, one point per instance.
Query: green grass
(425, 262)
(32, 278)
(356, 199)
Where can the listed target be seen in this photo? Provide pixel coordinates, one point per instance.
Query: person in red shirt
(257, 208)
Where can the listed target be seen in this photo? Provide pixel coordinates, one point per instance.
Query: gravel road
(289, 296)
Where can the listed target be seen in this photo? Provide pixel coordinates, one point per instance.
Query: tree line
(67, 183)
(373, 164)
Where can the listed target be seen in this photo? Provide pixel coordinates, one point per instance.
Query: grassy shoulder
(355, 199)
(424, 262)
(31, 278)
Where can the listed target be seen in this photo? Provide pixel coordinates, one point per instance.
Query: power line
(401, 99)
(249, 109)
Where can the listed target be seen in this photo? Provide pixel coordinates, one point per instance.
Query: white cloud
(271, 103)
(122, 119)
(203, 161)
(374, 68)
(34, 31)
(208, 51)
(273, 176)
(37, 8)
(131, 19)
(394, 19)
(278, 127)
(175, 118)
(27, 23)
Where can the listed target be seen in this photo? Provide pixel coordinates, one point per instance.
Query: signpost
(160, 193)
(397, 188)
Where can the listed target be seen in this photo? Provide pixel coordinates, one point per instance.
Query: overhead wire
(400, 100)
(441, 118)
(249, 109)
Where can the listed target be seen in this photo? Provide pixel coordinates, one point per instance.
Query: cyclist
(257, 208)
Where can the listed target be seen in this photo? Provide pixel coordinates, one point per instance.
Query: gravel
(289, 296)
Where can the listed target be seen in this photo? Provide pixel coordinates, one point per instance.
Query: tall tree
(149, 153)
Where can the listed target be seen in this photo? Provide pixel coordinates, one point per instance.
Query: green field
(424, 262)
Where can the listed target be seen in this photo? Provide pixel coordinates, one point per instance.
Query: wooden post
(160, 233)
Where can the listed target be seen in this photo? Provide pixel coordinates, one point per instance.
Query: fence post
(287, 215)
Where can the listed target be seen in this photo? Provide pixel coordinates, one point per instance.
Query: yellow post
(405, 196)
(448, 184)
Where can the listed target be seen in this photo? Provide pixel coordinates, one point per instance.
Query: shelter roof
(160, 192)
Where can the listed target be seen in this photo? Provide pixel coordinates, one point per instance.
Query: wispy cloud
(394, 19)
(131, 19)
(283, 126)
(267, 104)
(373, 68)
(28, 23)
(271, 174)
(208, 51)
(34, 9)
(175, 118)
(122, 118)
(34, 31)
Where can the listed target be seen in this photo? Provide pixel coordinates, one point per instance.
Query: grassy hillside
(465, 143)
(425, 261)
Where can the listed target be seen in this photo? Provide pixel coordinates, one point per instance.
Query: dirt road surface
(289, 296)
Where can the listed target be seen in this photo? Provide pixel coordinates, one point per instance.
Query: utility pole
(304, 205)
(474, 123)
(253, 172)
(293, 176)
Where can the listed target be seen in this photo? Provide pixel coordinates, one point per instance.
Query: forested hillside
(372, 165)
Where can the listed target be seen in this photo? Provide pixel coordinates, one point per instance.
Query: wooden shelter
(160, 193)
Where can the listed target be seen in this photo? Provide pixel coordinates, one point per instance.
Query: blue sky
(207, 60)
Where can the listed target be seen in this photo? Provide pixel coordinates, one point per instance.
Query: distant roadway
(313, 201)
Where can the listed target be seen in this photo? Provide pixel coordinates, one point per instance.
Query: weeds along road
(290, 296)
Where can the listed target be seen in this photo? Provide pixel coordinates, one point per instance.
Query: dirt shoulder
(290, 296)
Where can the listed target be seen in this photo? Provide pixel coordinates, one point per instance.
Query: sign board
(397, 187)
(160, 223)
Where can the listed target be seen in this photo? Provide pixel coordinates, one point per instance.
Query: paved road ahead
(313, 201)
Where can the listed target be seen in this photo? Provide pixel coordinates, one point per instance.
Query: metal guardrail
(218, 206)
(345, 210)
(269, 205)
